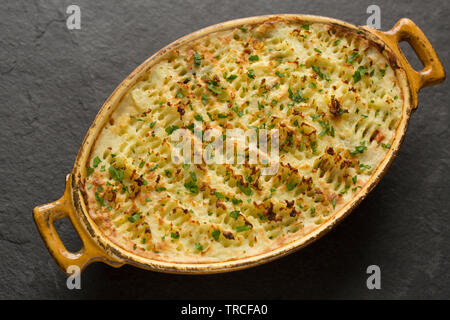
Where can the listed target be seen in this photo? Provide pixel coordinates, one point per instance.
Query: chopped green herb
(212, 85)
(234, 214)
(134, 217)
(358, 73)
(153, 168)
(216, 234)
(204, 99)
(243, 228)
(198, 246)
(320, 73)
(191, 186)
(352, 57)
(246, 190)
(116, 174)
(251, 74)
(160, 189)
(261, 217)
(253, 58)
(297, 97)
(152, 124)
(197, 59)
(142, 164)
(90, 171)
(198, 117)
(231, 77)
(359, 149)
(96, 162)
(236, 201)
(386, 146)
(171, 129)
(175, 235)
(291, 185)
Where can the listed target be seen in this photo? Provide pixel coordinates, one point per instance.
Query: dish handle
(45, 216)
(433, 71)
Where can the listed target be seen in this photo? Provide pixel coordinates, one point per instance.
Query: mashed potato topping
(330, 93)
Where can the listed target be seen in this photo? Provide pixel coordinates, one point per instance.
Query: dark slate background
(53, 82)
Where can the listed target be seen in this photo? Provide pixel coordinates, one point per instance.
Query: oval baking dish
(97, 246)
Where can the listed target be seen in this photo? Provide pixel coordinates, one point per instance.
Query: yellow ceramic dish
(98, 247)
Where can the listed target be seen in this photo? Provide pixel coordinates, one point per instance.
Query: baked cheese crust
(332, 95)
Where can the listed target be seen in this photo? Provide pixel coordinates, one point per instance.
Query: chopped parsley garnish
(134, 217)
(236, 201)
(386, 146)
(193, 176)
(219, 195)
(231, 77)
(243, 228)
(212, 85)
(198, 246)
(320, 73)
(243, 29)
(246, 190)
(171, 129)
(180, 94)
(152, 124)
(326, 128)
(253, 58)
(216, 234)
(291, 185)
(237, 111)
(142, 164)
(197, 59)
(358, 73)
(354, 179)
(234, 214)
(175, 235)
(363, 166)
(352, 57)
(297, 97)
(334, 203)
(312, 85)
(198, 117)
(261, 217)
(96, 162)
(159, 189)
(337, 42)
(116, 174)
(359, 149)
(279, 74)
(191, 186)
(90, 171)
(251, 74)
(153, 168)
(305, 26)
(204, 99)
(99, 199)
(317, 50)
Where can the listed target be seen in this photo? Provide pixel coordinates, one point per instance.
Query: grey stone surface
(53, 82)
